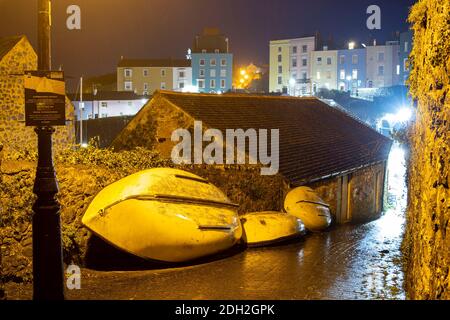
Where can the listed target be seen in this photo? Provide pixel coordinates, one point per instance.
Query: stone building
(320, 146)
(16, 56)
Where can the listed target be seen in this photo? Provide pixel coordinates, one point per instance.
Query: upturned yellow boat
(266, 228)
(164, 214)
(305, 204)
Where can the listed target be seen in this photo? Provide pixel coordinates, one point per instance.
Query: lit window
(216, 51)
(212, 73)
(128, 86)
(128, 73)
(398, 69)
(223, 62)
(203, 50)
(406, 47)
(223, 73)
(213, 62)
(318, 75)
(342, 75)
(355, 74)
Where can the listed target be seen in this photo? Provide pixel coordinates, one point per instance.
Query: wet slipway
(348, 262)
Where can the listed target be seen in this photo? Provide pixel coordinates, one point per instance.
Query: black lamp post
(48, 274)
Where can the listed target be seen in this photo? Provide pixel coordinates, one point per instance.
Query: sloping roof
(316, 140)
(174, 63)
(7, 44)
(108, 96)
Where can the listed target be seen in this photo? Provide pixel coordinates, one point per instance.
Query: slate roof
(7, 44)
(169, 63)
(316, 140)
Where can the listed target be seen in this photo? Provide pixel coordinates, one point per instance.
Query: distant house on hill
(319, 146)
(16, 56)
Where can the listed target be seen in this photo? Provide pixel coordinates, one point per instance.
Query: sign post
(45, 107)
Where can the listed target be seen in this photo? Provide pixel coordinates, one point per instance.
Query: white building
(108, 104)
(383, 65)
(290, 66)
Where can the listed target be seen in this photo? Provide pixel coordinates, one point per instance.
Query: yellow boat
(265, 228)
(164, 214)
(305, 204)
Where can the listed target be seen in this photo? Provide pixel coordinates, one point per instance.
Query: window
(328, 61)
(319, 60)
(202, 73)
(304, 62)
(222, 84)
(128, 86)
(223, 62)
(145, 72)
(294, 76)
(294, 63)
(304, 48)
(203, 50)
(280, 80)
(223, 73)
(181, 85)
(130, 103)
(163, 85)
(280, 58)
(294, 49)
(145, 86)
(213, 62)
(279, 49)
(104, 104)
(202, 62)
(342, 59)
(216, 51)
(355, 59)
(212, 83)
(280, 69)
(381, 70)
(406, 48)
(163, 72)
(128, 73)
(212, 73)
(342, 74)
(355, 74)
(380, 56)
(201, 83)
(398, 69)
(181, 74)
(318, 75)
(304, 75)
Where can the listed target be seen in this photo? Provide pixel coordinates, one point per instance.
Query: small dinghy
(266, 228)
(305, 204)
(164, 214)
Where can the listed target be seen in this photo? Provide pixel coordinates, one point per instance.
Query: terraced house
(144, 76)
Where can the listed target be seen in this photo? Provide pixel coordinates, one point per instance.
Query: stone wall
(15, 137)
(82, 174)
(427, 239)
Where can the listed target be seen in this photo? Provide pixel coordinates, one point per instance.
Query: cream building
(290, 65)
(147, 75)
(324, 70)
(383, 65)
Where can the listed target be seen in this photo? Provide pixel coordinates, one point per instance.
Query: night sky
(165, 28)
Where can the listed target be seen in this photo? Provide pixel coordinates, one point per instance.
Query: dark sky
(165, 28)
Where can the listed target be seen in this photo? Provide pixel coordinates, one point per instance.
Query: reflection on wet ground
(348, 262)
